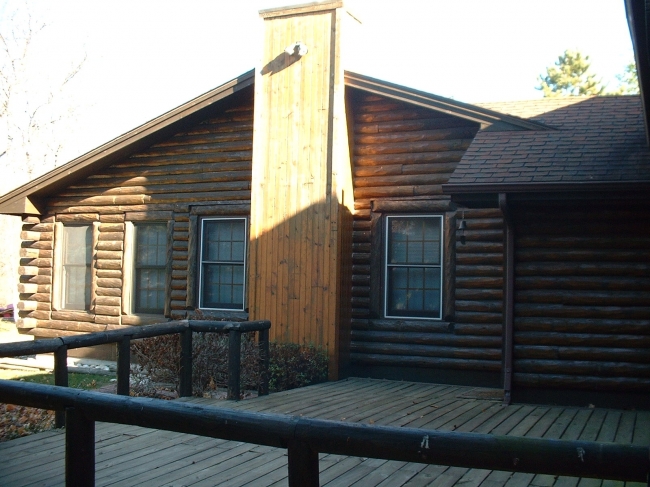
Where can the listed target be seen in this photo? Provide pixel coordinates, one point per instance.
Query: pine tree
(628, 81)
(570, 77)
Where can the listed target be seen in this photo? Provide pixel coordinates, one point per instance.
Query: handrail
(304, 438)
(60, 346)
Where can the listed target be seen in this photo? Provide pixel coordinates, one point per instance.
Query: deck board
(127, 455)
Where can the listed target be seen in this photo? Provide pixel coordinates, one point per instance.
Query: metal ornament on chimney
(297, 49)
(462, 226)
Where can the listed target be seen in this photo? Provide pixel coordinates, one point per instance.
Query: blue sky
(146, 57)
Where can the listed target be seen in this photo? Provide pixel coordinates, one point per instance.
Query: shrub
(158, 366)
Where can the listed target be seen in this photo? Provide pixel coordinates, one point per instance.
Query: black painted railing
(60, 346)
(304, 438)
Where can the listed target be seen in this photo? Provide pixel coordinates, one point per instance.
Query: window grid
(76, 267)
(413, 272)
(223, 263)
(150, 268)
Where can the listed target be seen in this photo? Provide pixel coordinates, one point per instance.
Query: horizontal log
(32, 220)
(479, 294)
(30, 253)
(109, 283)
(136, 320)
(619, 283)
(108, 264)
(582, 367)
(604, 241)
(479, 282)
(583, 325)
(36, 314)
(28, 235)
(404, 169)
(579, 297)
(415, 135)
(108, 301)
(40, 332)
(481, 329)
(111, 236)
(410, 147)
(39, 297)
(64, 315)
(428, 205)
(404, 326)
(362, 236)
(363, 291)
(108, 255)
(183, 163)
(408, 158)
(425, 351)
(479, 317)
(36, 279)
(559, 310)
(397, 191)
(239, 181)
(78, 326)
(178, 305)
(360, 258)
(361, 279)
(26, 323)
(622, 384)
(179, 274)
(400, 118)
(28, 305)
(479, 259)
(472, 247)
(110, 273)
(604, 354)
(148, 216)
(111, 227)
(38, 245)
(241, 145)
(421, 338)
(110, 245)
(479, 270)
(111, 218)
(361, 225)
(425, 362)
(108, 310)
(36, 262)
(581, 339)
(110, 209)
(29, 288)
(78, 218)
(567, 255)
(602, 269)
(478, 306)
(179, 245)
(362, 247)
(179, 294)
(360, 301)
(113, 322)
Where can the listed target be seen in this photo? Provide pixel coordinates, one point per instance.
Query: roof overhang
(638, 19)
(26, 200)
(488, 119)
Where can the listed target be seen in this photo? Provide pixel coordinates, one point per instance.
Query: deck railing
(304, 438)
(60, 346)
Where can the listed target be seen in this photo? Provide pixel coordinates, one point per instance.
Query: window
(75, 273)
(149, 266)
(413, 271)
(222, 263)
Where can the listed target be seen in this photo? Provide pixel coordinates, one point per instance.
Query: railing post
(303, 465)
(60, 379)
(185, 379)
(123, 365)
(234, 360)
(79, 449)
(265, 360)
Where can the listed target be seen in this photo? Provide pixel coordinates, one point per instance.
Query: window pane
(77, 242)
(150, 272)
(222, 286)
(413, 266)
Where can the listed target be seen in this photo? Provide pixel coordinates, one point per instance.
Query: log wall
(402, 155)
(582, 294)
(203, 170)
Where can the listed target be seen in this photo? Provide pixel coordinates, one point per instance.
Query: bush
(158, 366)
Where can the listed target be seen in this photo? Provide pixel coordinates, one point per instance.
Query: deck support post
(79, 449)
(263, 344)
(508, 303)
(185, 380)
(123, 365)
(234, 360)
(60, 379)
(303, 465)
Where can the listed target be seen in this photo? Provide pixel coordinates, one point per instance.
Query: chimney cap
(304, 8)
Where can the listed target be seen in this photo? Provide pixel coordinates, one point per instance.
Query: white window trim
(127, 268)
(200, 262)
(386, 266)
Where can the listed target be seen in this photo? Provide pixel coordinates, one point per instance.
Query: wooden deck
(132, 456)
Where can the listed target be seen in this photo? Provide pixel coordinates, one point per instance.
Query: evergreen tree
(570, 77)
(628, 81)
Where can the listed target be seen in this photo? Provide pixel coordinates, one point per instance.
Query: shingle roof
(599, 139)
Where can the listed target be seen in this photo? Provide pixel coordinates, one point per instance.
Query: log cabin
(413, 237)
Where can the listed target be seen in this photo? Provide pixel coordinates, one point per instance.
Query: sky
(145, 57)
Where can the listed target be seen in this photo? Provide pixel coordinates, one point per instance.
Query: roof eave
(489, 119)
(550, 187)
(25, 199)
(638, 17)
